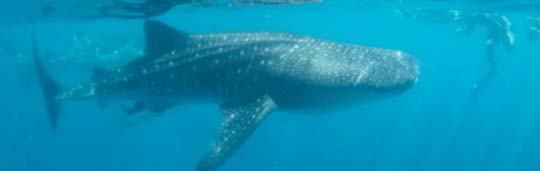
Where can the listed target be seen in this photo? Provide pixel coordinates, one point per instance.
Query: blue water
(436, 126)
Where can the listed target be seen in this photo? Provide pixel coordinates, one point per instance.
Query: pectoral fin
(240, 119)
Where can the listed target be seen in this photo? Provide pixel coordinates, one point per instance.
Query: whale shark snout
(407, 70)
(393, 71)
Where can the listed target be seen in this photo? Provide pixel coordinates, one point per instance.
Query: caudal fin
(49, 87)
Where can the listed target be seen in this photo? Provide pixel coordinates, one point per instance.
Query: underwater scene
(270, 85)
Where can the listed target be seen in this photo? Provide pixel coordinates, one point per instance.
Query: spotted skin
(239, 121)
(231, 63)
(250, 75)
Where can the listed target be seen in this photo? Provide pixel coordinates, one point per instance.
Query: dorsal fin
(162, 39)
(99, 73)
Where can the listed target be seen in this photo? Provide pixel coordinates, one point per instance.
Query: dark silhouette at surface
(149, 8)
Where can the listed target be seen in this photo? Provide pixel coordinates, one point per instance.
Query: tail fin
(49, 87)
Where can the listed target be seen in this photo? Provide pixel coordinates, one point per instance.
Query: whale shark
(248, 74)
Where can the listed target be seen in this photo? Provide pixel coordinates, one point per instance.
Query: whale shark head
(351, 66)
(335, 75)
(392, 71)
(381, 73)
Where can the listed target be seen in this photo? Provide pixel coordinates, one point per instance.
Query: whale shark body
(249, 75)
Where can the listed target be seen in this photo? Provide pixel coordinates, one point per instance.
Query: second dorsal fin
(162, 39)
